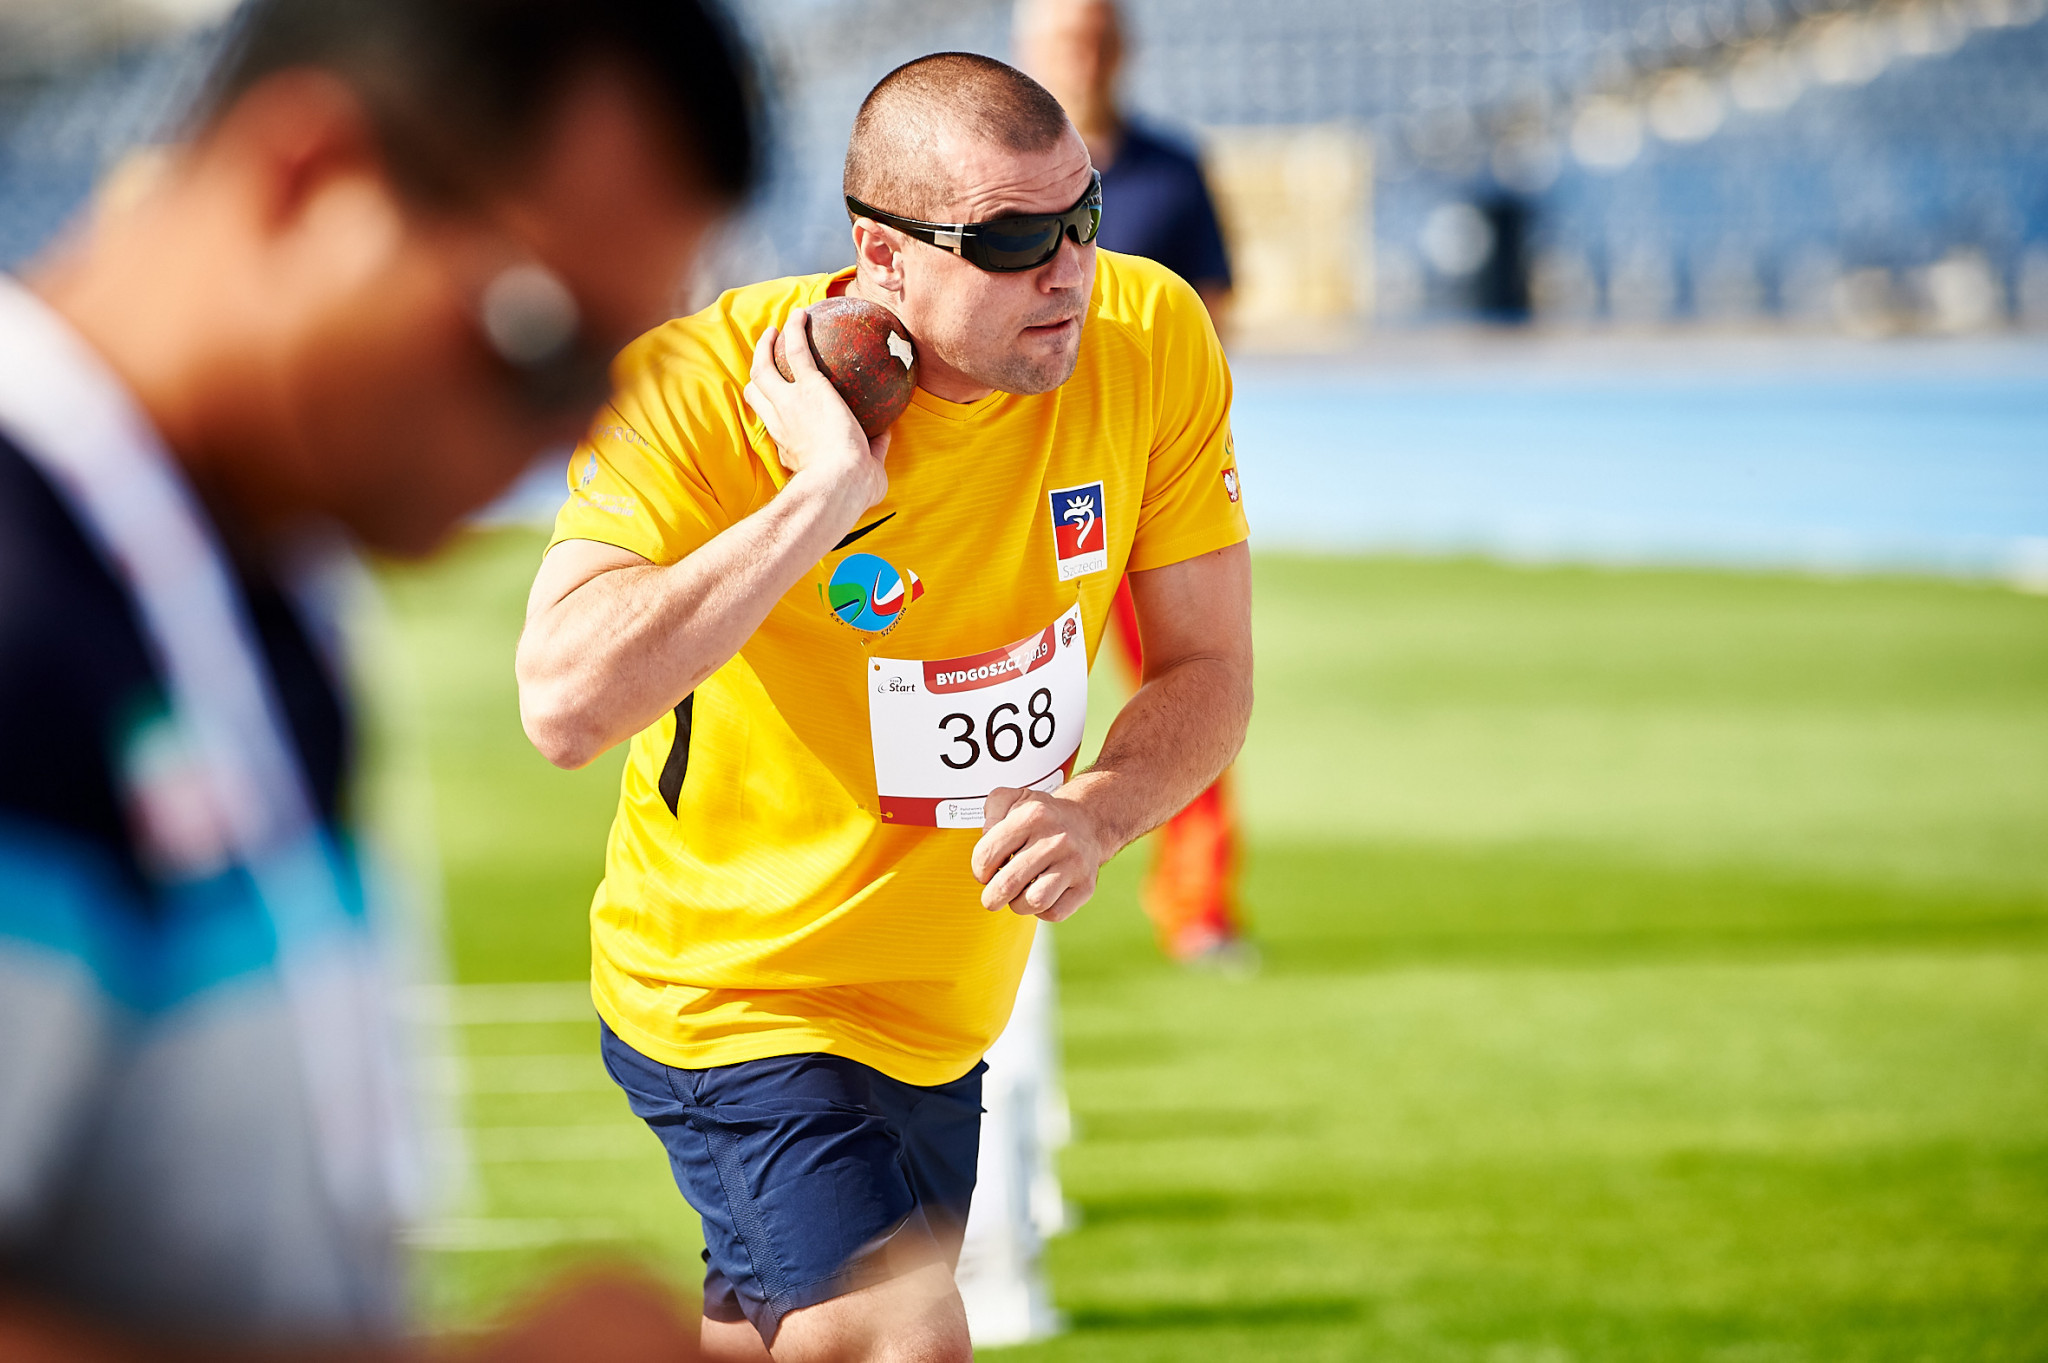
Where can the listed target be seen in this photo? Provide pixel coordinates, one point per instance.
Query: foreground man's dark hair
(461, 90)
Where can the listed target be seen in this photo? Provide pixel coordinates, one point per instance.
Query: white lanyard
(75, 422)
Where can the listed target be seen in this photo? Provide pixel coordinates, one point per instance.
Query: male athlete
(854, 673)
(402, 240)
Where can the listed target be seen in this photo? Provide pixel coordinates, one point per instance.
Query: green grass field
(1656, 968)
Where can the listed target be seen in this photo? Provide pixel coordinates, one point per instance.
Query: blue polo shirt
(158, 1166)
(1156, 204)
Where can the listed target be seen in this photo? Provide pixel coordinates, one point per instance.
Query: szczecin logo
(869, 593)
(1080, 530)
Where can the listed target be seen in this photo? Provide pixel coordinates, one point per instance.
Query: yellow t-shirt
(759, 897)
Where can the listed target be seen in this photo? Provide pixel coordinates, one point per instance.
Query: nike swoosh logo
(853, 535)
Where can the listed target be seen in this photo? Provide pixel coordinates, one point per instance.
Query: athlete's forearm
(1174, 737)
(620, 650)
(1188, 719)
(1040, 854)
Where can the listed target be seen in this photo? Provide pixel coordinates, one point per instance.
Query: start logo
(1080, 530)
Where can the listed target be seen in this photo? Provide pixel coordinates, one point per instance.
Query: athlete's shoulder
(1143, 295)
(677, 389)
(1148, 319)
(715, 344)
(1150, 331)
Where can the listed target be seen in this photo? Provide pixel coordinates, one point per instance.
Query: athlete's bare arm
(613, 642)
(1040, 853)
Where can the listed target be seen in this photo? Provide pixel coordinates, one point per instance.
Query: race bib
(948, 732)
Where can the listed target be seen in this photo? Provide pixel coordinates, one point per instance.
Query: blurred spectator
(1157, 205)
(389, 267)
(1155, 202)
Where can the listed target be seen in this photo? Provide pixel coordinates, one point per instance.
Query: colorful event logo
(869, 593)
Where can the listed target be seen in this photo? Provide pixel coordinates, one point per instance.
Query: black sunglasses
(1003, 245)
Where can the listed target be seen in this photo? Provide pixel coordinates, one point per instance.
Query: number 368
(1003, 732)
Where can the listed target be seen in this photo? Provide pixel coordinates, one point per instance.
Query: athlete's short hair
(891, 159)
(461, 91)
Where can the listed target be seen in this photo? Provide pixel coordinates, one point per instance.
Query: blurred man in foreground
(856, 695)
(387, 269)
(1158, 207)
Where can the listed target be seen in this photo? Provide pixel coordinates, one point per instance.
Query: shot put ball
(868, 354)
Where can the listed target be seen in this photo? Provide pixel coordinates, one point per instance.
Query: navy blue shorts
(809, 1171)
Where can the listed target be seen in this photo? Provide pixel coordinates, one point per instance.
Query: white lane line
(479, 1005)
(593, 1142)
(575, 1072)
(485, 1233)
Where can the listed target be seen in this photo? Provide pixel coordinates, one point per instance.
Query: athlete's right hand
(819, 441)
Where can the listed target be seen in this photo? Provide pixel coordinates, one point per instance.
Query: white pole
(1017, 1199)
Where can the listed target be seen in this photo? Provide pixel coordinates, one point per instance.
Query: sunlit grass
(1655, 969)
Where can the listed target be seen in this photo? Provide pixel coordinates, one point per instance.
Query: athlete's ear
(878, 252)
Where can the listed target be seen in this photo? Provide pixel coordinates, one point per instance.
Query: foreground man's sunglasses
(534, 328)
(1002, 245)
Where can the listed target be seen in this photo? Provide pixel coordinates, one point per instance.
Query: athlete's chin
(1030, 374)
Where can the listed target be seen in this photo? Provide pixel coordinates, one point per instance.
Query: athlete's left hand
(1038, 855)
